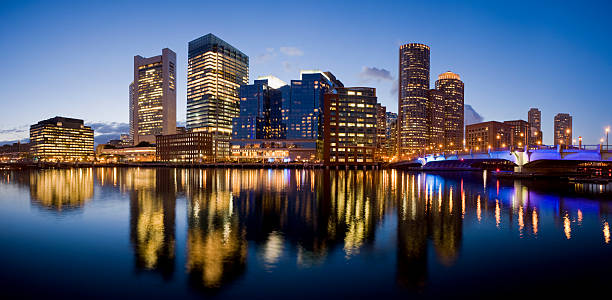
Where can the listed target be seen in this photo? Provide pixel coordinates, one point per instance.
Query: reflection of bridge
(523, 160)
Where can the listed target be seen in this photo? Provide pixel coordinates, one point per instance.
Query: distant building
(193, 146)
(349, 127)
(254, 150)
(563, 129)
(305, 103)
(62, 139)
(215, 72)
(412, 96)
(153, 96)
(381, 131)
(534, 117)
(520, 132)
(14, 152)
(488, 135)
(451, 86)
(260, 112)
(391, 118)
(435, 120)
(130, 139)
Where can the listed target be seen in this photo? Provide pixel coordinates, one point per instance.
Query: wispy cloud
(470, 115)
(291, 51)
(394, 88)
(15, 134)
(117, 128)
(266, 56)
(369, 74)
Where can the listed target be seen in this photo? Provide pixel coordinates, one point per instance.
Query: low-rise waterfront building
(265, 150)
(111, 154)
(192, 146)
(62, 139)
(488, 135)
(521, 132)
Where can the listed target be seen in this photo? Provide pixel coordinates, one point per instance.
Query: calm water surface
(122, 233)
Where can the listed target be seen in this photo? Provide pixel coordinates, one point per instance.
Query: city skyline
(523, 79)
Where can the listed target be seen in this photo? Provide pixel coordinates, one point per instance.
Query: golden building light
(62, 139)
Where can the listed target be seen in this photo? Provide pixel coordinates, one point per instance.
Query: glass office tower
(534, 117)
(412, 98)
(260, 112)
(305, 103)
(215, 72)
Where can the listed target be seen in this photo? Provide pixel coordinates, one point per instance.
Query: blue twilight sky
(75, 58)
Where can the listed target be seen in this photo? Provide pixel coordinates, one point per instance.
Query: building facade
(534, 117)
(451, 86)
(153, 96)
(521, 131)
(215, 72)
(563, 129)
(435, 120)
(381, 131)
(260, 112)
(481, 137)
(62, 139)
(191, 147)
(349, 127)
(412, 98)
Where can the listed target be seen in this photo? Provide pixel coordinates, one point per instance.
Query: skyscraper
(130, 139)
(305, 103)
(381, 128)
(563, 129)
(534, 117)
(153, 96)
(260, 112)
(451, 86)
(412, 98)
(214, 74)
(435, 119)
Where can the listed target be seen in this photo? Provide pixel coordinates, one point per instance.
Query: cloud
(181, 124)
(15, 134)
(266, 56)
(23, 141)
(394, 88)
(368, 74)
(116, 128)
(291, 51)
(470, 115)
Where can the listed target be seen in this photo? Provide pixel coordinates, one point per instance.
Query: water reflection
(60, 190)
(301, 218)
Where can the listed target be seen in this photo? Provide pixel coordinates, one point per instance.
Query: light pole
(607, 132)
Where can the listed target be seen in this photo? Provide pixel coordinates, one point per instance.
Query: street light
(607, 131)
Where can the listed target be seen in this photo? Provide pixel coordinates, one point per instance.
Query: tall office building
(153, 95)
(215, 72)
(130, 139)
(412, 98)
(61, 139)
(435, 119)
(563, 129)
(451, 86)
(391, 118)
(534, 117)
(349, 126)
(381, 125)
(305, 103)
(260, 112)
